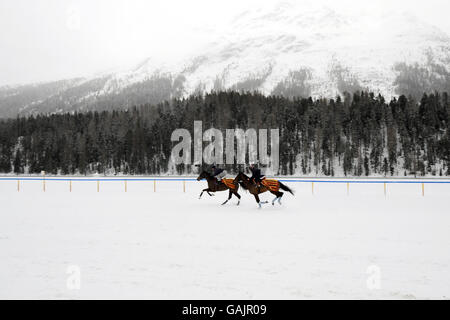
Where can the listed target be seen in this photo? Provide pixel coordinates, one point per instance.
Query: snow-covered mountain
(285, 49)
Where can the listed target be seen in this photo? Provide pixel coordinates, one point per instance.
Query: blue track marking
(191, 179)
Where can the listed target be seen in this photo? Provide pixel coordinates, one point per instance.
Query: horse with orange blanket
(223, 185)
(273, 186)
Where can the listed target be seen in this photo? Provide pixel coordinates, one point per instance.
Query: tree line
(353, 135)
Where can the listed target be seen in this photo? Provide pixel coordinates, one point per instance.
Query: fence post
(348, 188)
(423, 189)
(70, 185)
(125, 185)
(98, 185)
(184, 186)
(154, 185)
(18, 185)
(385, 189)
(312, 188)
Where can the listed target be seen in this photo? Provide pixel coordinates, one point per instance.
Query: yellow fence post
(98, 185)
(154, 185)
(184, 186)
(18, 185)
(43, 184)
(125, 185)
(312, 187)
(348, 188)
(423, 189)
(70, 185)
(385, 189)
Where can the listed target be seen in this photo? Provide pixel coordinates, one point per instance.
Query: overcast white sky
(42, 40)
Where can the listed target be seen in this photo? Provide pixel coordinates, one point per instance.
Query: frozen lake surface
(169, 244)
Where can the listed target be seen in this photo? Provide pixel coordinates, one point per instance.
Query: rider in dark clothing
(256, 175)
(217, 173)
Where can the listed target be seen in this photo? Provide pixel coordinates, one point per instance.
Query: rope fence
(184, 180)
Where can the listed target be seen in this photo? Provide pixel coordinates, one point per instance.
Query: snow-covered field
(170, 245)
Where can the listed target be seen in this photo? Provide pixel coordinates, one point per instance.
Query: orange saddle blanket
(272, 185)
(229, 183)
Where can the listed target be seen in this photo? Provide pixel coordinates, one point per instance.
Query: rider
(218, 173)
(256, 175)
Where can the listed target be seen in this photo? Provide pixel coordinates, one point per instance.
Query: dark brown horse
(273, 186)
(213, 186)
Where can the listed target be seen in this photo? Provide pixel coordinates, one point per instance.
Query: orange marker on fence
(385, 189)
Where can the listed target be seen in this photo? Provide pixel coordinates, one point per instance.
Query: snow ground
(171, 245)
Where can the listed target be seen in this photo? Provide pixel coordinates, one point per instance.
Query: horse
(273, 186)
(213, 186)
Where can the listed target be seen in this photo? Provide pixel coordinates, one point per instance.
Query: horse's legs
(207, 191)
(238, 196)
(278, 196)
(258, 201)
(202, 193)
(230, 194)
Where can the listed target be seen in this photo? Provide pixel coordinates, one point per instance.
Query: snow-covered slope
(338, 50)
(285, 49)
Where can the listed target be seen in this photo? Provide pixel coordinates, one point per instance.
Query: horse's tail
(286, 188)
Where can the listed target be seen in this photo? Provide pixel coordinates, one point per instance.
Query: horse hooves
(261, 203)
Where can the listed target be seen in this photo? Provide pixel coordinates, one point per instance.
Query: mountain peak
(290, 48)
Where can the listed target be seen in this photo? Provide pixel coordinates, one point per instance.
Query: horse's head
(203, 175)
(241, 177)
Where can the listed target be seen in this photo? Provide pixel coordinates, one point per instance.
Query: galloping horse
(273, 186)
(226, 184)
